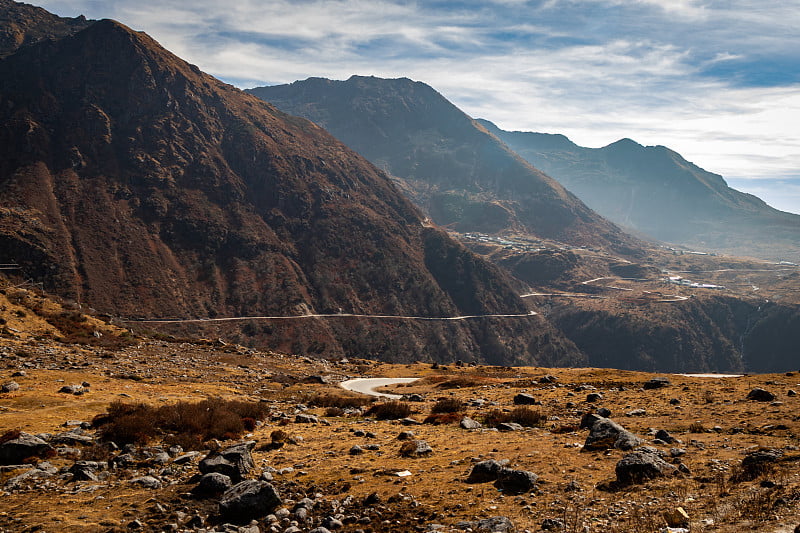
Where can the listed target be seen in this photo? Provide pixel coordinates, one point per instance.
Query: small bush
(390, 410)
(697, 427)
(334, 412)
(460, 382)
(342, 401)
(524, 416)
(441, 419)
(447, 405)
(278, 436)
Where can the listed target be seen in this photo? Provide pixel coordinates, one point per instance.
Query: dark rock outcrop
(248, 500)
(640, 466)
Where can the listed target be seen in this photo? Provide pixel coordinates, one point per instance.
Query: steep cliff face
(653, 190)
(460, 175)
(131, 181)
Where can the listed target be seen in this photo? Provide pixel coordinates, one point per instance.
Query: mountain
(134, 183)
(24, 24)
(452, 168)
(655, 191)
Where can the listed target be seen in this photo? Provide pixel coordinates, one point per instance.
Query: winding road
(368, 385)
(324, 315)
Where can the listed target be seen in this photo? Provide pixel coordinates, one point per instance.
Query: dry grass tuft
(393, 410)
(448, 405)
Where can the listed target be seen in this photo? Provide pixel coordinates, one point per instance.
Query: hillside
(24, 24)
(132, 182)
(456, 172)
(655, 191)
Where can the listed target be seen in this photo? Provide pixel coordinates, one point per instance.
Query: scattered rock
(515, 481)
(495, 524)
(84, 471)
(552, 524)
(234, 461)
(11, 386)
(636, 412)
(148, 482)
(509, 426)
(640, 466)
(663, 435)
(525, 399)
(356, 450)
(605, 433)
(594, 397)
(415, 448)
(656, 383)
(306, 419)
(249, 499)
(468, 423)
(212, 483)
(760, 395)
(25, 446)
(486, 471)
(677, 518)
(405, 435)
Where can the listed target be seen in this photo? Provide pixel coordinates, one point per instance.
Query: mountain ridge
(135, 183)
(655, 191)
(453, 169)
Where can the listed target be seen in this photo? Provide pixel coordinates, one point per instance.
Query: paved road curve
(368, 385)
(331, 315)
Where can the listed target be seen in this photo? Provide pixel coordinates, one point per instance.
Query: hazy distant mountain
(133, 182)
(450, 166)
(654, 190)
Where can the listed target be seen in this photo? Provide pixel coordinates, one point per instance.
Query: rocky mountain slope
(24, 24)
(449, 165)
(131, 181)
(653, 190)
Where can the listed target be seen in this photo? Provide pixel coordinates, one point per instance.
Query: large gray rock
(760, 395)
(415, 448)
(11, 386)
(212, 483)
(468, 423)
(486, 471)
(15, 451)
(657, 383)
(525, 399)
(640, 466)
(249, 499)
(234, 461)
(515, 481)
(604, 433)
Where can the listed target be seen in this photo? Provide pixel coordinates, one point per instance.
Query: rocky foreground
(508, 449)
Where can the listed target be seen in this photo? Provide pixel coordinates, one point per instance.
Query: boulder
(11, 386)
(525, 399)
(84, 471)
(509, 426)
(148, 482)
(306, 419)
(640, 466)
(212, 483)
(415, 448)
(605, 433)
(760, 395)
(24, 446)
(515, 481)
(486, 471)
(248, 500)
(234, 461)
(664, 436)
(468, 423)
(594, 397)
(656, 383)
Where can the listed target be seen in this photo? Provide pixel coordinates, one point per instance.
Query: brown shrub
(441, 419)
(524, 416)
(447, 405)
(390, 410)
(334, 412)
(342, 401)
(278, 436)
(184, 423)
(697, 427)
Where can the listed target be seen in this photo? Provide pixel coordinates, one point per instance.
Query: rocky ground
(609, 451)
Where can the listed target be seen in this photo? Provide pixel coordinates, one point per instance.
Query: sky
(717, 81)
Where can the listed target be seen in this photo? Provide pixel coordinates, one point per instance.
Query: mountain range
(655, 191)
(134, 183)
(459, 174)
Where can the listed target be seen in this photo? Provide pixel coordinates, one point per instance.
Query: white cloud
(595, 70)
